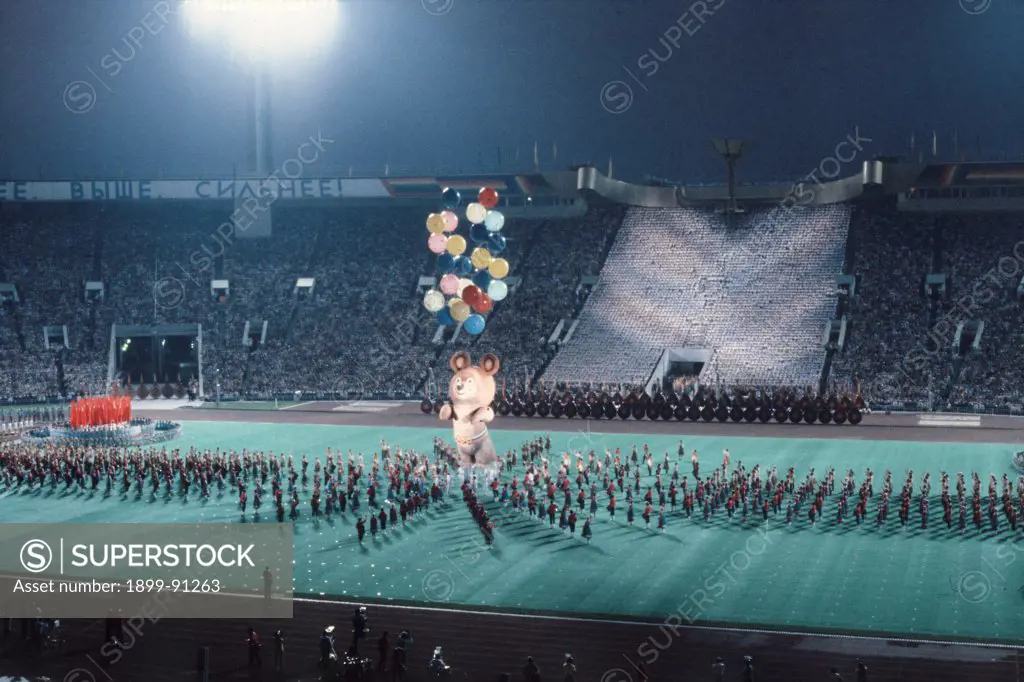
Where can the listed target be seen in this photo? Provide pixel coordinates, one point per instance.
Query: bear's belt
(461, 440)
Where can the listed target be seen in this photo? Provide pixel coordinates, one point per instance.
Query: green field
(922, 583)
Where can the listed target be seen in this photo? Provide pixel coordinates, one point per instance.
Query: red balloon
(488, 197)
(483, 303)
(472, 294)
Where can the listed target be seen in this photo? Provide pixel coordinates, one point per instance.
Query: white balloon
(476, 213)
(463, 283)
(497, 290)
(495, 220)
(433, 300)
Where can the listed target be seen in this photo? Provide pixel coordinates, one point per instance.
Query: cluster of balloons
(469, 285)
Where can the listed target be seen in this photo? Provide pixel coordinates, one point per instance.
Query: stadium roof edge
(888, 176)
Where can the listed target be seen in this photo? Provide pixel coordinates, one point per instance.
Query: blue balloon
(450, 199)
(496, 243)
(474, 324)
(444, 317)
(463, 266)
(498, 290)
(479, 233)
(482, 279)
(494, 221)
(445, 263)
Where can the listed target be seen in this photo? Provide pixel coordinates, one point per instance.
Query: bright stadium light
(265, 32)
(264, 29)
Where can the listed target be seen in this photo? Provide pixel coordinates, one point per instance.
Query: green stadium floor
(921, 583)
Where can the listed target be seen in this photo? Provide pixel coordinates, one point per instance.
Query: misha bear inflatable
(472, 391)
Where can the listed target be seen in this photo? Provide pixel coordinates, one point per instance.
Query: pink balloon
(450, 284)
(437, 243)
(451, 221)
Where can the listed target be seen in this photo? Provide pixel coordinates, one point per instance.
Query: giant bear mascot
(472, 391)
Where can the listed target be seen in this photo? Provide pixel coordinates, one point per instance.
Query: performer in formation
(387, 489)
(100, 411)
(739, 495)
(398, 485)
(479, 513)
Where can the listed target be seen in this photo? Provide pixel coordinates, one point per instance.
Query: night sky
(430, 86)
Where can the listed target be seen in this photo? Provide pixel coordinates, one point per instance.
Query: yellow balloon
(435, 223)
(481, 257)
(498, 267)
(456, 244)
(476, 213)
(433, 300)
(459, 310)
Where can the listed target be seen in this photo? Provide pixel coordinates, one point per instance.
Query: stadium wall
(987, 185)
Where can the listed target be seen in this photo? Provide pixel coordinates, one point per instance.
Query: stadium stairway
(826, 369)
(58, 359)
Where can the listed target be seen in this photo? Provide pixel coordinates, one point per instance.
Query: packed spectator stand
(901, 340)
(755, 292)
(344, 339)
(758, 295)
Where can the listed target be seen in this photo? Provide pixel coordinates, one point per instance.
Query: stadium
(767, 423)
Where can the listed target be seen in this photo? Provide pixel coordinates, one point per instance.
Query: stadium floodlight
(263, 30)
(729, 146)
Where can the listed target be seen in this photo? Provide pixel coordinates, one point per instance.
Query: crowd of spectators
(888, 316)
(692, 278)
(84, 371)
(901, 341)
(344, 336)
(985, 265)
(27, 375)
(362, 331)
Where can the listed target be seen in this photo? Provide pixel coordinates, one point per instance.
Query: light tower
(263, 32)
(731, 149)
(262, 153)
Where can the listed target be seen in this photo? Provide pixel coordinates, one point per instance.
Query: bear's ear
(460, 361)
(490, 364)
